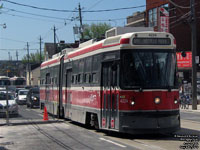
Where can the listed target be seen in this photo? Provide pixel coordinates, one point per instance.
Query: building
(34, 75)
(154, 16)
(12, 68)
(174, 16)
(50, 49)
(138, 19)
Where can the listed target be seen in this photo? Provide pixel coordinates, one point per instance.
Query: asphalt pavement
(28, 131)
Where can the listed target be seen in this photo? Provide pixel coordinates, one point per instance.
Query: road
(29, 131)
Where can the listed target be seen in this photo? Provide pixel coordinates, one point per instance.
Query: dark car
(33, 97)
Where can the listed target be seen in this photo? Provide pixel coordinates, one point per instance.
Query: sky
(26, 24)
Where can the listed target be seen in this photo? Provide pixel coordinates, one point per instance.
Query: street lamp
(113, 21)
(3, 25)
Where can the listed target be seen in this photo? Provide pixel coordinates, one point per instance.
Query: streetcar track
(58, 142)
(71, 137)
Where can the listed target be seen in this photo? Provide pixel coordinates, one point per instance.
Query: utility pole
(193, 46)
(9, 56)
(81, 24)
(17, 65)
(17, 55)
(40, 49)
(29, 76)
(54, 33)
(7, 104)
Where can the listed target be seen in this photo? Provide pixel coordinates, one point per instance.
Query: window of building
(153, 17)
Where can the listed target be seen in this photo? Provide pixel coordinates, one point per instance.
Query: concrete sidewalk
(190, 109)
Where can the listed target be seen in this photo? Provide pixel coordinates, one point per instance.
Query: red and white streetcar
(126, 83)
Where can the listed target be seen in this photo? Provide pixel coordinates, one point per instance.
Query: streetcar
(4, 81)
(18, 82)
(125, 83)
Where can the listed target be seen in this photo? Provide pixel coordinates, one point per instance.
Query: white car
(22, 96)
(12, 105)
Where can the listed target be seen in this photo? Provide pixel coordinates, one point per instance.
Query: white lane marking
(28, 109)
(112, 142)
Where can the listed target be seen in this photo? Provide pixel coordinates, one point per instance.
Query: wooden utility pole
(40, 49)
(54, 33)
(81, 24)
(29, 73)
(194, 63)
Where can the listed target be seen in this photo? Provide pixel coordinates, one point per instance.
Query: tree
(95, 30)
(33, 58)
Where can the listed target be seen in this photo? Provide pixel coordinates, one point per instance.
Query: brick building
(175, 18)
(138, 19)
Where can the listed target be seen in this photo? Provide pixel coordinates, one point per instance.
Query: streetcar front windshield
(148, 69)
(4, 82)
(19, 82)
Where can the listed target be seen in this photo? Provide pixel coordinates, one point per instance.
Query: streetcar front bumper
(149, 122)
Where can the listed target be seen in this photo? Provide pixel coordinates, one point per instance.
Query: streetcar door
(68, 92)
(109, 95)
(60, 111)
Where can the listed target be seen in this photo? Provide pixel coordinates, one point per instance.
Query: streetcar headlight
(157, 100)
(132, 103)
(175, 101)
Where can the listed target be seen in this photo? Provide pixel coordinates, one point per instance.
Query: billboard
(164, 20)
(184, 62)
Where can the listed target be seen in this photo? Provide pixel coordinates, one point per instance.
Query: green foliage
(95, 30)
(33, 58)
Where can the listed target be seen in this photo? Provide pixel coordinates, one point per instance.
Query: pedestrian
(187, 101)
(183, 101)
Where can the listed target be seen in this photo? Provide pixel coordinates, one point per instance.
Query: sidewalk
(190, 109)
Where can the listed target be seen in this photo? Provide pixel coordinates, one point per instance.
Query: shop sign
(184, 62)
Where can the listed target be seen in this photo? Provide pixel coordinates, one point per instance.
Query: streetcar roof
(119, 42)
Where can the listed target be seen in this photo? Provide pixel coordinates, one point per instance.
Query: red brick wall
(155, 3)
(180, 28)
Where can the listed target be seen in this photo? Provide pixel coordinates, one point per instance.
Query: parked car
(12, 105)
(33, 97)
(22, 96)
(17, 90)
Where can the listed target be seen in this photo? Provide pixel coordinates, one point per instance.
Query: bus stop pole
(7, 105)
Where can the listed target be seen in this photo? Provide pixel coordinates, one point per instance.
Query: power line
(12, 40)
(45, 20)
(14, 49)
(59, 10)
(183, 7)
(35, 14)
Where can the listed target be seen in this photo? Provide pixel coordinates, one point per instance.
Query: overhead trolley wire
(64, 10)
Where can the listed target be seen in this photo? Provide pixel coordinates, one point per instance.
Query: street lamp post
(3, 25)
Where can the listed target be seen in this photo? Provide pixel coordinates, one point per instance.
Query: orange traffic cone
(45, 117)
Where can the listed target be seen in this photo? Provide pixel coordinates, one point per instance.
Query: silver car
(12, 105)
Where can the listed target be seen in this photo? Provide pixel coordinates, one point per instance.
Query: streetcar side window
(88, 64)
(94, 78)
(96, 62)
(87, 78)
(74, 79)
(80, 78)
(48, 79)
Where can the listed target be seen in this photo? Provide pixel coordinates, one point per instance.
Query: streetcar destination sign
(151, 41)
